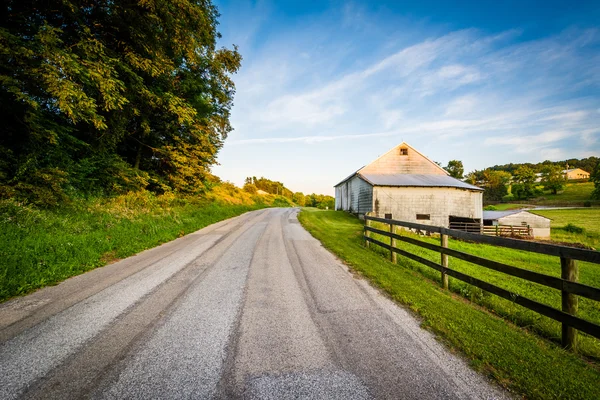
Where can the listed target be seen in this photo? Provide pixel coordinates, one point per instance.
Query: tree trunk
(138, 157)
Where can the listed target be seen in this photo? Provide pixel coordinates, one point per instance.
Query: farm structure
(575, 174)
(539, 227)
(404, 184)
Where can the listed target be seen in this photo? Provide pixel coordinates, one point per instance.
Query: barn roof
(420, 180)
(493, 215)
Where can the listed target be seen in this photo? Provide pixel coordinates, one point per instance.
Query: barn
(405, 185)
(540, 226)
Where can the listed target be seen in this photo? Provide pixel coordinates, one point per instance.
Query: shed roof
(419, 180)
(494, 215)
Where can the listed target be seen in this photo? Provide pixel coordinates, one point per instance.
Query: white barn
(405, 185)
(540, 226)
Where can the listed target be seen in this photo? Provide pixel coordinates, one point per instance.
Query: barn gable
(403, 159)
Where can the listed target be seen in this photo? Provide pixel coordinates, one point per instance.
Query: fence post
(444, 240)
(569, 272)
(367, 233)
(392, 244)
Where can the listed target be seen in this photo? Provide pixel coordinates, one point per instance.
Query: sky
(326, 87)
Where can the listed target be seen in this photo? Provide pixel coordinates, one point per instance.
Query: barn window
(423, 217)
(523, 223)
(388, 216)
(403, 152)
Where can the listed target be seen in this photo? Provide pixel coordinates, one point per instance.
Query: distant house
(539, 225)
(405, 185)
(576, 173)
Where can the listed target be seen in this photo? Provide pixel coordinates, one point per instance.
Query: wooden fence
(508, 230)
(568, 282)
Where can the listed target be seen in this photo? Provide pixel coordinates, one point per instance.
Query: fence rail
(568, 283)
(508, 230)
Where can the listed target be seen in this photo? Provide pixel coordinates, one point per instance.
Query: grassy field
(588, 219)
(574, 194)
(514, 356)
(43, 247)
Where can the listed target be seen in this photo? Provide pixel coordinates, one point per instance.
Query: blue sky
(327, 87)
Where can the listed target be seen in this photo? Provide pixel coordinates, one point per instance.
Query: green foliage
(299, 199)
(511, 355)
(455, 169)
(524, 187)
(250, 188)
(595, 177)
(494, 182)
(270, 186)
(133, 90)
(320, 201)
(573, 228)
(586, 164)
(490, 208)
(553, 179)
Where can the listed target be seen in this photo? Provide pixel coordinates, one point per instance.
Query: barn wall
(361, 195)
(395, 163)
(354, 195)
(540, 225)
(404, 203)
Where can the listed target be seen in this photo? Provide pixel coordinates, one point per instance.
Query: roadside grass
(586, 218)
(43, 247)
(514, 356)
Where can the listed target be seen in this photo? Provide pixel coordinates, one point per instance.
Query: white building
(540, 226)
(405, 185)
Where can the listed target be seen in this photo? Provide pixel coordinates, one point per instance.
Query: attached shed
(539, 225)
(403, 184)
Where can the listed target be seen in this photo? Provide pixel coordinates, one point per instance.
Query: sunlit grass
(515, 357)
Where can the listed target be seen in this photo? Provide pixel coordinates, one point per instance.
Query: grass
(517, 358)
(44, 247)
(573, 192)
(586, 218)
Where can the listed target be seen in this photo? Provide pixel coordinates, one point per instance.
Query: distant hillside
(586, 164)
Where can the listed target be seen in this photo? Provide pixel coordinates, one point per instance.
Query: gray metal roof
(416, 180)
(493, 215)
(348, 177)
(499, 214)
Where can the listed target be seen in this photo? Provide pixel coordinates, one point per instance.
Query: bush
(587, 203)
(508, 198)
(490, 208)
(573, 228)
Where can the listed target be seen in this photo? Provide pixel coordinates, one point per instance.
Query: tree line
(525, 179)
(253, 185)
(104, 97)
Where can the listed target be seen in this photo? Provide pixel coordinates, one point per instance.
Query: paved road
(252, 307)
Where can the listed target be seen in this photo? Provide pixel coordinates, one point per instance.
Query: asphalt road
(252, 307)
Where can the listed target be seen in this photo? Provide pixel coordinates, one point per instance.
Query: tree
(250, 188)
(553, 178)
(495, 184)
(455, 169)
(524, 187)
(299, 199)
(595, 177)
(137, 86)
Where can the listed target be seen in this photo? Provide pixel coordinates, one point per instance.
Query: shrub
(490, 208)
(587, 203)
(571, 228)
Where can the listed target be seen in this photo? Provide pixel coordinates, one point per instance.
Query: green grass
(573, 192)
(514, 356)
(43, 247)
(586, 218)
